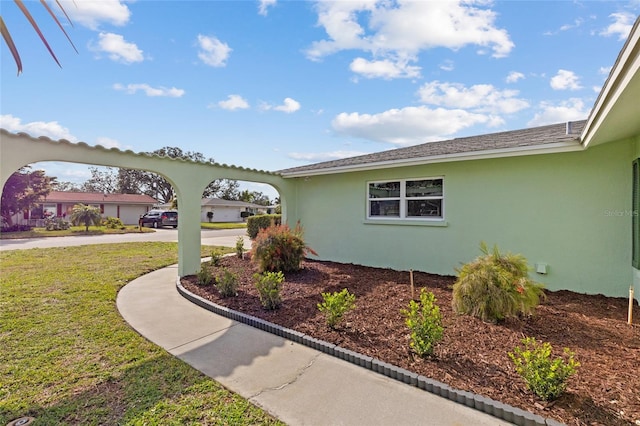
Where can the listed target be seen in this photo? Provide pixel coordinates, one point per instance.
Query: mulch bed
(473, 355)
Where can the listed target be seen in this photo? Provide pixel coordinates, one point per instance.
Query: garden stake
(413, 295)
(630, 316)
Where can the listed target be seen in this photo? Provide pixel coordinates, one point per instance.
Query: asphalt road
(214, 237)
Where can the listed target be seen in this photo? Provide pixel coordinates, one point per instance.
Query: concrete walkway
(296, 384)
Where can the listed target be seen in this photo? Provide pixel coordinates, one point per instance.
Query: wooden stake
(630, 316)
(413, 292)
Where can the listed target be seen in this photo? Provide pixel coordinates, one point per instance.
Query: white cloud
(314, 157)
(289, 105)
(150, 91)
(402, 29)
(385, 68)
(108, 142)
(263, 5)
(50, 129)
(514, 76)
(407, 126)
(212, 51)
(119, 50)
(565, 80)
(90, 13)
(234, 102)
(482, 98)
(604, 70)
(622, 23)
(572, 109)
(447, 65)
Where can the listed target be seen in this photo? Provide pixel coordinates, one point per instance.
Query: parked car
(158, 218)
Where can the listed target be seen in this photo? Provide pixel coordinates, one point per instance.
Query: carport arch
(189, 179)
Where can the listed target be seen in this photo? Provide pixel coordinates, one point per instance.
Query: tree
(9, 41)
(88, 215)
(23, 190)
(65, 186)
(255, 197)
(105, 181)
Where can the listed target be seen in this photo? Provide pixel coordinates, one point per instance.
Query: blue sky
(274, 84)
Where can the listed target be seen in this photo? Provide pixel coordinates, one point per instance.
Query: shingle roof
(97, 197)
(510, 140)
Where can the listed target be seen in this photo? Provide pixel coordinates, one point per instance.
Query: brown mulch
(473, 355)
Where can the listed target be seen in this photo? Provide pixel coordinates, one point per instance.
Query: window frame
(635, 214)
(403, 201)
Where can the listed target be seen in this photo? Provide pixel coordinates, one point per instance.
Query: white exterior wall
(222, 214)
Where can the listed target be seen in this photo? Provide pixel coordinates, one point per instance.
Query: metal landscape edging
(489, 406)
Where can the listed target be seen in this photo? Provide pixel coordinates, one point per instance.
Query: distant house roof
(213, 202)
(551, 138)
(97, 197)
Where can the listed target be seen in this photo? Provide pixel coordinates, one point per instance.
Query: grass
(223, 225)
(101, 230)
(74, 230)
(69, 358)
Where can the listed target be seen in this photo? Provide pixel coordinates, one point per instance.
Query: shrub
(204, 276)
(227, 284)
(335, 305)
(216, 256)
(240, 247)
(424, 322)
(262, 221)
(495, 286)
(278, 248)
(15, 228)
(112, 223)
(269, 285)
(56, 224)
(544, 376)
(86, 215)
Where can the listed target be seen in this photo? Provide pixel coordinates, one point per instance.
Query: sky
(273, 84)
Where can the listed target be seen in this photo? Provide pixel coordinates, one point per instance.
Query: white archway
(188, 178)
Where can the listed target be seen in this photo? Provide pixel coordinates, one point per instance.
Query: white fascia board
(551, 148)
(626, 66)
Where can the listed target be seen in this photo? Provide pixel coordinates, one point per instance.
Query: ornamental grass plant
(496, 286)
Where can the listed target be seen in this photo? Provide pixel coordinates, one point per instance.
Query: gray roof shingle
(535, 136)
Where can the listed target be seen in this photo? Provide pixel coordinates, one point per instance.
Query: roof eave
(552, 148)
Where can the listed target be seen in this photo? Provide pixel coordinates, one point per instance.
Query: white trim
(551, 148)
(402, 200)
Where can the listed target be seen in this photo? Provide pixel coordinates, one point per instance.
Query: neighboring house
(227, 210)
(566, 196)
(126, 207)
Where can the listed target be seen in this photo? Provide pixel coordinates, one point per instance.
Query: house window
(406, 199)
(635, 215)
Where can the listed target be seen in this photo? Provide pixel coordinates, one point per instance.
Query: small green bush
(544, 376)
(56, 224)
(262, 221)
(278, 248)
(227, 284)
(240, 247)
(204, 276)
(424, 322)
(496, 286)
(335, 305)
(216, 257)
(112, 223)
(269, 285)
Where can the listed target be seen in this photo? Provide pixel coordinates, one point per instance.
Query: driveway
(214, 237)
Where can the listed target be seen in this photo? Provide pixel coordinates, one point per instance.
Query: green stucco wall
(569, 210)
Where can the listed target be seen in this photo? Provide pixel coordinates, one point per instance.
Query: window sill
(405, 222)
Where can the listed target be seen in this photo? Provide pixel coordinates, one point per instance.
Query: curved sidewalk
(297, 384)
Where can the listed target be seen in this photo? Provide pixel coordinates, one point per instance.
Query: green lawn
(223, 225)
(67, 357)
(101, 230)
